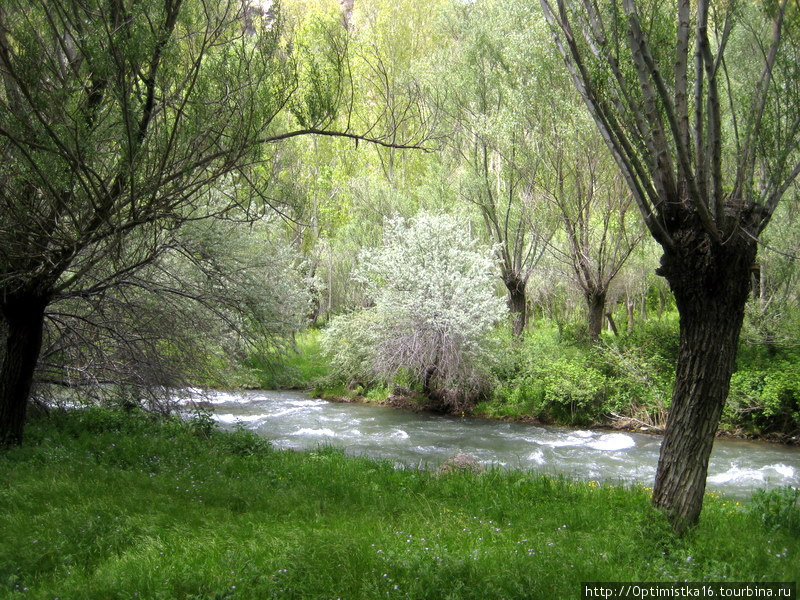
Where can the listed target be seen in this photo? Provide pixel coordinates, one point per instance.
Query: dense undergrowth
(555, 375)
(108, 505)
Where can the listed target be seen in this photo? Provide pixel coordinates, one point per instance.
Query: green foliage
(555, 376)
(640, 367)
(244, 443)
(765, 391)
(349, 343)
(301, 366)
(551, 376)
(778, 509)
(378, 393)
(573, 392)
(320, 46)
(641, 383)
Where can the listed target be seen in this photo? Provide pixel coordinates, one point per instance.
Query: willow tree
(699, 104)
(491, 125)
(117, 119)
(597, 214)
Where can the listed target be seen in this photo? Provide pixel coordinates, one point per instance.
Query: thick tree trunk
(24, 325)
(596, 304)
(517, 305)
(711, 284)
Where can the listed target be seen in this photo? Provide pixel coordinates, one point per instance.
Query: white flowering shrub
(433, 289)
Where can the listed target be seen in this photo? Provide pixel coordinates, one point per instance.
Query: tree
(216, 293)
(700, 107)
(116, 120)
(493, 125)
(593, 205)
(773, 314)
(434, 304)
(345, 190)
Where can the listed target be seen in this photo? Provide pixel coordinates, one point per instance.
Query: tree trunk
(630, 306)
(711, 283)
(517, 305)
(24, 320)
(644, 315)
(612, 326)
(596, 303)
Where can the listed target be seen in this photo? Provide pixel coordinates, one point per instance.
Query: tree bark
(24, 319)
(596, 304)
(711, 282)
(517, 305)
(612, 326)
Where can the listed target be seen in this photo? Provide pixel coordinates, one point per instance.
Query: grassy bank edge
(109, 505)
(624, 383)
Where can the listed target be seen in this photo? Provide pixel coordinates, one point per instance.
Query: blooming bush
(433, 292)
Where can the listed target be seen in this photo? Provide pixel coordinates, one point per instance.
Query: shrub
(639, 383)
(554, 377)
(550, 380)
(766, 396)
(778, 509)
(574, 391)
(434, 307)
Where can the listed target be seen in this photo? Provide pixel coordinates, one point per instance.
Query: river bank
(421, 439)
(106, 505)
(622, 382)
(417, 402)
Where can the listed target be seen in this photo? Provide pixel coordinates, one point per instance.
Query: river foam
(769, 473)
(291, 420)
(608, 442)
(612, 442)
(230, 419)
(324, 431)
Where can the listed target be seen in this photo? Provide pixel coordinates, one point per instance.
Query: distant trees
(597, 217)
(699, 105)
(492, 132)
(434, 304)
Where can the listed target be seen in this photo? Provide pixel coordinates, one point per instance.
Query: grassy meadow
(105, 505)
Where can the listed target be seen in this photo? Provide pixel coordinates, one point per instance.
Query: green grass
(100, 505)
(299, 368)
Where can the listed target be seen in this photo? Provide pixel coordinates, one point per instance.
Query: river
(292, 420)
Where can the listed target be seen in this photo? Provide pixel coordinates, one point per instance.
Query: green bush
(640, 368)
(244, 443)
(301, 366)
(765, 396)
(548, 379)
(574, 391)
(658, 338)
(553, 376)
(778, 509)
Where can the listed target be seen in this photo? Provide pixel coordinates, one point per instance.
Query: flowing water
(292, 420)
